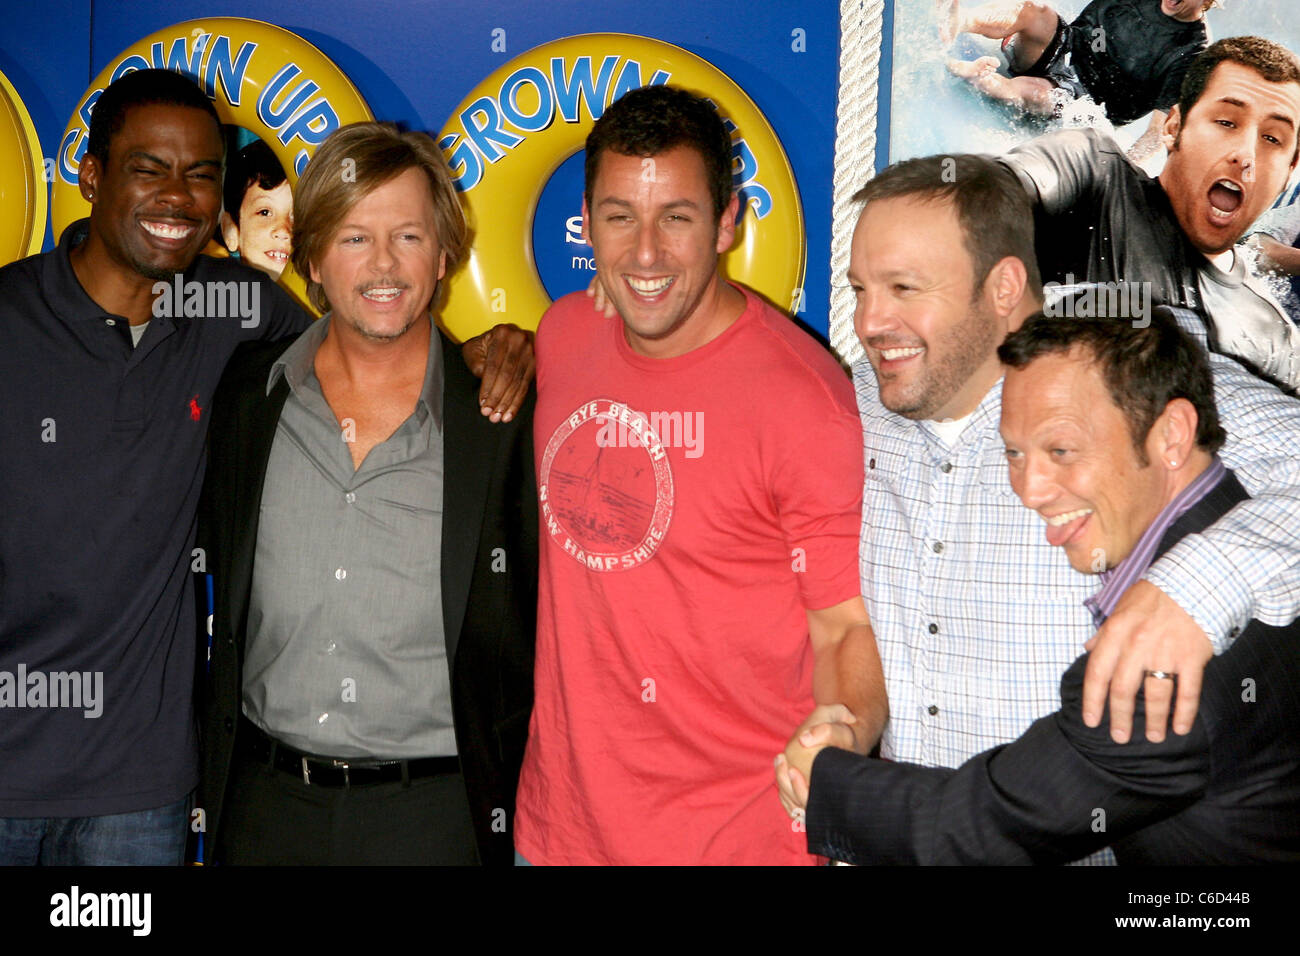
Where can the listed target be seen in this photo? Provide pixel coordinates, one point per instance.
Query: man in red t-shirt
(700, 475)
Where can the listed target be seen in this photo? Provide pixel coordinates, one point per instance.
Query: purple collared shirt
(1124, 575)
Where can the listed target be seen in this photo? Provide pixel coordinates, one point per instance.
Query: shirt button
(350, 497)
(937, 547)
(932, 710)
(1235, 633)
(340, 574)
(946, 467)
(872, 463)
(110, 321)
(933, 628)
(330, 647)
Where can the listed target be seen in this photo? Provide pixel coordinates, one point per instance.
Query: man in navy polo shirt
(104, 386)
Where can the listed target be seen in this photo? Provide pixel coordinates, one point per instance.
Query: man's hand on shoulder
(599, 300)
(1148, 633)
(829, 725)
(503, 358)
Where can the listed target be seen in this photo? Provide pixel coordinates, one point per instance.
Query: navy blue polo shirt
(101, 463)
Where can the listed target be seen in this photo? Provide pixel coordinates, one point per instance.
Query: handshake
(829, 725)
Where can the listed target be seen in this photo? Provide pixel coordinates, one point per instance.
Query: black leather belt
(318, 771)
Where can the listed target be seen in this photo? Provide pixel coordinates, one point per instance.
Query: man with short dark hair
(106, 397)
(698, 597)
(114, 343)
(975, 618)
(373, 548)
(1111, 432)
(1232, 141)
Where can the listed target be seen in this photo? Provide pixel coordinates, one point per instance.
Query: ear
(229, 231)
(727, 224)
(88, 174)
(586, 221)
(442, 264)
(1173, 125)
(315, 273)
(1005, 285)
(1173, 435)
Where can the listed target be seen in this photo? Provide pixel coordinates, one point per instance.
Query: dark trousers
(272, 818)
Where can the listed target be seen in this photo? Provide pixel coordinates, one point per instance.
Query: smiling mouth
(384, 294)
(898, 354)
(1061, 528)
(649, 288)
(167, 230)
(1225, 198)
(276, 255)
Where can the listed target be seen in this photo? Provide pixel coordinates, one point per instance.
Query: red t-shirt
(692, 509)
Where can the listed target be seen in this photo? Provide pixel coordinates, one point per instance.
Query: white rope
(855, 153)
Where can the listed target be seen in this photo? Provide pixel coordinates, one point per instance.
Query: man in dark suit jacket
(373, 544)
(1111, 432)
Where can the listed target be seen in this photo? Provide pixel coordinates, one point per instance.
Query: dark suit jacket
(1228, 792)
(489, 615)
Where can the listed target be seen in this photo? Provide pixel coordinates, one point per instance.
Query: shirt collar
(297, 366)
(1117, 580)
(988, 413)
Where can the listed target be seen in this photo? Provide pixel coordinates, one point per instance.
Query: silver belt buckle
(343, 765)
(306, 773)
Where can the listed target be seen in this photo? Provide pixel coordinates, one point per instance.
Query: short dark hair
(1144, 368)
(655, 119)
(1270, 60)
(997, 219)
(141, 88)
(255, 164)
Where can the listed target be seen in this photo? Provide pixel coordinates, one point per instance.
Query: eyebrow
(1280, 117)
(625, 204)
(409, 224)
(141, 154)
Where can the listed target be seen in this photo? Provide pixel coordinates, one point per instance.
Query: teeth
(890, 354)
(1227, 184)
(649, 286)
(381, 295)
(166, 231)
(1057, 520)
(277, 254)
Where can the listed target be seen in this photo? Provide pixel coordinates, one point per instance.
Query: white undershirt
(950, 431)
(137, 333)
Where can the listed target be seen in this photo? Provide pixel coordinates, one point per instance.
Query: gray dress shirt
(346, 652)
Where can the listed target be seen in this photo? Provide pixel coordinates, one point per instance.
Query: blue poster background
(415, 60)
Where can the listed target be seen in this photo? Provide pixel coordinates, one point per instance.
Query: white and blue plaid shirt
(977, 617)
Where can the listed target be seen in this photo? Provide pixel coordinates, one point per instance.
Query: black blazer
(489, 616)
(1227, 792)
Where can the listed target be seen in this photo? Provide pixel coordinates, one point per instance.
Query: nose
(176, 190)
(647, 244)
(1032, 481)
(1243, 152)
(872, 315)
(282, 228)
(382, 255)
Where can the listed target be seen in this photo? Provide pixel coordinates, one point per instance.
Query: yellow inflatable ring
(269, 81)
(24, 201)
(517, 127)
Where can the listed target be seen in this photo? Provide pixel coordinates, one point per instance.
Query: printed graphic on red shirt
(606, 501)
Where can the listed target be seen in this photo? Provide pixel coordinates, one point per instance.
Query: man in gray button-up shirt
(373, 543)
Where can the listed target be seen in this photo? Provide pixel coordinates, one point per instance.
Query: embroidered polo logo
(195, 409)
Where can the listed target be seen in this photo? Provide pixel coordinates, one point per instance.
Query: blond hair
(352, 163)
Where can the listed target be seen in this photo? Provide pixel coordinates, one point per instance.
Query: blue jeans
(140, 838)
